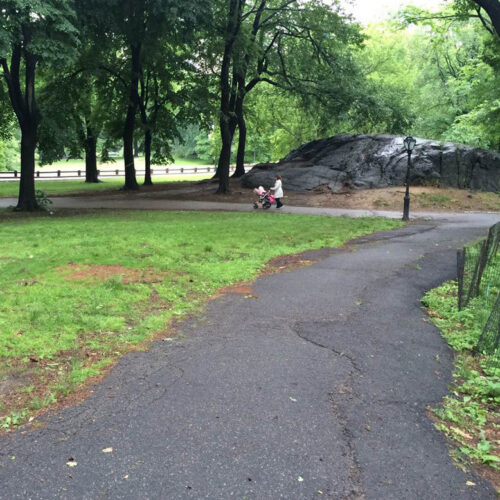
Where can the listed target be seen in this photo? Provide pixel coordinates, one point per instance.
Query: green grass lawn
(77, 291)
(78, 163)
(68, 187)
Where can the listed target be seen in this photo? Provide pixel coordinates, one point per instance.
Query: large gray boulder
(372, 161)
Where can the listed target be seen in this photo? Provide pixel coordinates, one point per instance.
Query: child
(277, 189)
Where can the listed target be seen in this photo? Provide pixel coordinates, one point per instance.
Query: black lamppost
(409, 144)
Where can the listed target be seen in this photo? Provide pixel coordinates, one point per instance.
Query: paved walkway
(315, 388)
(155, 201)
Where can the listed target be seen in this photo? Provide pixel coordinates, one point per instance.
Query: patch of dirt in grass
(11, 383)
(240, 288)
(288, 262)
(77, 272)
(36, 386)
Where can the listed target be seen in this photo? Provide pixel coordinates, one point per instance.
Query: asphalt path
(158, 201)
(315, 385)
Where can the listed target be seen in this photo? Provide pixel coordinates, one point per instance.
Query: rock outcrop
(348, 162)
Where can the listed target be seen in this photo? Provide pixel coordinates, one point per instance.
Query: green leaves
(46, 28)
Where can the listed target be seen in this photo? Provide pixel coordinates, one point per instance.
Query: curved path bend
(316, 387)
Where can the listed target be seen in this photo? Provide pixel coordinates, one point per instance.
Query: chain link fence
(478, 267)
(472, 262)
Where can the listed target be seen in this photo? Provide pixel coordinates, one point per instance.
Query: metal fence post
(460, 276)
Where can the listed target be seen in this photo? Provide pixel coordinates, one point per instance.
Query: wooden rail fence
(14, 174)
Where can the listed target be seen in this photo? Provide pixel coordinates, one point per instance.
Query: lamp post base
(406, 209)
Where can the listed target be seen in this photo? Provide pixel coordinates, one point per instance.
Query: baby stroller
(266, 199)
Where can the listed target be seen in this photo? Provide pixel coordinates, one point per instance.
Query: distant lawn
(117, 162)
(78, 291)
(11, 188)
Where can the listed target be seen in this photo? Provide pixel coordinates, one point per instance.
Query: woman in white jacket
(277, 190)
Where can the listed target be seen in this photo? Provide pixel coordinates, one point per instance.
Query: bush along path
(315, 382)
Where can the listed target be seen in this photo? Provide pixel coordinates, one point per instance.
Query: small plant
(13, 420)
(42, 200)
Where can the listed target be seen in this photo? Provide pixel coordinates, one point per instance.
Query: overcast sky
(367, 11)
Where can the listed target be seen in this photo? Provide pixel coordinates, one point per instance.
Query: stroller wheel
(266, 205)
(255, 205)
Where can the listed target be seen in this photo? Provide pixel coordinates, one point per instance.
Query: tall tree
(32, 34)
(136, 26)
(301, 47)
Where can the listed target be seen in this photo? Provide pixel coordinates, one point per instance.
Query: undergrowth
(470, 415)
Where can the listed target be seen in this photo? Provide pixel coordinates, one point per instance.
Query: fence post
(460, 276)
(166, 170)
(483, 259)
(79, 173)
(472, 286)
(15, 173)
(496, 239)
(182, 170)
(58, 173)
(37, 173)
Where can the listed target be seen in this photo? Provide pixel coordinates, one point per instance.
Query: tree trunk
(227, 94)
(147, 157)
(27, 199)
(242, 139)
(128, 130)
(225, 156)
(232, 130)
(24, 105)
(91, 157)
(492, 7)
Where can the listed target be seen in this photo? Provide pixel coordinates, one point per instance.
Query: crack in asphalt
(356, 491)
(296, 329)
(355, 484)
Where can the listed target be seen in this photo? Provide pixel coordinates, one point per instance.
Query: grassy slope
(58, 329)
